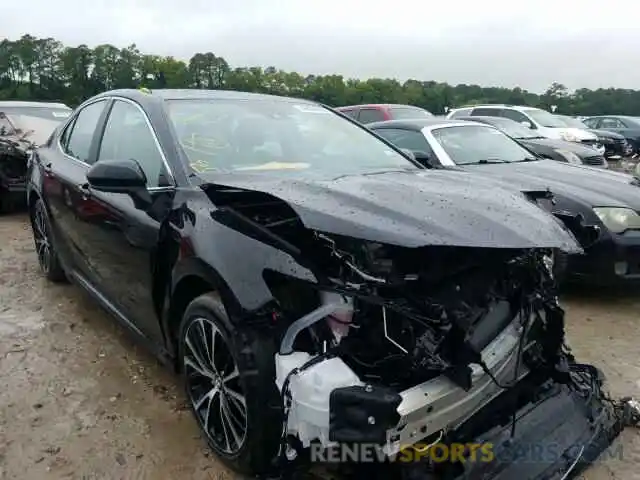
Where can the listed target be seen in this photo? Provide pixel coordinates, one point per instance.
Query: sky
(510, 43)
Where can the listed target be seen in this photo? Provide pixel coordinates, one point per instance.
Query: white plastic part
(340, 319)
(310, 391)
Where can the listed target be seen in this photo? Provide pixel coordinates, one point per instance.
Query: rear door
(65, 164)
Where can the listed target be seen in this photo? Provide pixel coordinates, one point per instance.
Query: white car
(542, 121)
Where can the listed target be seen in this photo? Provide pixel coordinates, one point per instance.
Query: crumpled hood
(437, 207)
(591, 186)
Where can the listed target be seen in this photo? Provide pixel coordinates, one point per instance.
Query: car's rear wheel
(229, 380)
(47, 256)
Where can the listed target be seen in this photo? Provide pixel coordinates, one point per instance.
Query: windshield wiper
(487, 161)
(528, 159)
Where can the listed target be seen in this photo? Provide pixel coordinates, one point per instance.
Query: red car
(381, 112)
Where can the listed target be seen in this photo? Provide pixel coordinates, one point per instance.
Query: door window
(516, 116)
(408, 139)
(352, 113)
(591, 122)
(78, 136)
(462, 112)
(127, 136)
(370, 115)
(611, 123)
(485, 112)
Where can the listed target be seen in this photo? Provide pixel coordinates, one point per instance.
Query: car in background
(625, 125)
(615, 145)
(23, 126)
(553, 149)
(313, 283)
(542, 122)
(608, 202)
(379, 112)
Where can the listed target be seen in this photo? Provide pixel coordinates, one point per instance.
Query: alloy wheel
(213, 386)
(41, 237)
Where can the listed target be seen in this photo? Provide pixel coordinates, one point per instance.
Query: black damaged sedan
(315, 286)
(606, 201)
(23, 126)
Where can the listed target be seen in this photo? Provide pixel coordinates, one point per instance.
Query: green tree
(34, 68)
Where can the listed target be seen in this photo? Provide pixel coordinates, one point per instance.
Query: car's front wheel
(229, 376)
(47, 255)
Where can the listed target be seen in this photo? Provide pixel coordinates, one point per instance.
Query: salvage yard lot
(79, 399)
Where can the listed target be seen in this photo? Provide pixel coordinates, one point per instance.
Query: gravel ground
(79, 399)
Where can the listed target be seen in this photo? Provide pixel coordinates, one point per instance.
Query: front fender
(231, 261)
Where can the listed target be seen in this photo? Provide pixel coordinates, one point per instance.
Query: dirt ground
(79, 399)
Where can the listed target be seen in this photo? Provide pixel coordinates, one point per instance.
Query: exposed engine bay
(394, 346)
(394, 367)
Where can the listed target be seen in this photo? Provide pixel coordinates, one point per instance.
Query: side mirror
(121, 176)
(408, 153)
(117, 176)
(424, 158)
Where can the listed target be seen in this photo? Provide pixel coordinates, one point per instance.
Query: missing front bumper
(555, 438)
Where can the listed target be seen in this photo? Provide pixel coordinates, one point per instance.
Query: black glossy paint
(413, 210)
(139, 253)
(577, 189)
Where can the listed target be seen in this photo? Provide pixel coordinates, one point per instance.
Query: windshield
(513, 128)
(544, 118)
(49, 113)
(476, 144)
(572, 122)
(399, 113)
(277, 136)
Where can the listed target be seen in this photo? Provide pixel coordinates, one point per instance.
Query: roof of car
(415, 123)
(186, 94)
(494, 105)
(17, 104)
(378, 105)
(487, 118)
(613, 116)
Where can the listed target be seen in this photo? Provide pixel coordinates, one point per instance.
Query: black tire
(253, 354)
(45, 248)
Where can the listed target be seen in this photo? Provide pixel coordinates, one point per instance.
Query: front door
(122, 245)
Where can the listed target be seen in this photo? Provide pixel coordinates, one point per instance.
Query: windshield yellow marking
(277, 166)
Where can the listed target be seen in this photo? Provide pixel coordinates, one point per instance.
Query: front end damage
(15, 149)
(406, 348)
